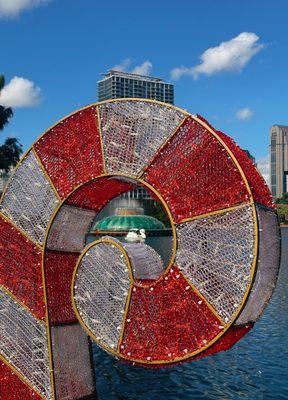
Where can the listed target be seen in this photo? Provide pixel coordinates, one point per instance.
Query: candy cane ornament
(55, 290)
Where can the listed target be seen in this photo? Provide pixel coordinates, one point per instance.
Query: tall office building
(279, 160)
(116, 84)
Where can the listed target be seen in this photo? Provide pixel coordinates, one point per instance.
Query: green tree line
(11, 150)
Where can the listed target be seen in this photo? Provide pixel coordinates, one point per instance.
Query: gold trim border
(203, 298)
(128, 298)
(256, 239)
(216, 212)
(119, 176)
(170, 137)
(20, 230)
(41, 166)
(19, 302)
(48, 327)
(101, 138)
(21, 377)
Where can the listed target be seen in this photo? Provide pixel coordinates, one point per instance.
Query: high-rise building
(279, 160)
(116, 85)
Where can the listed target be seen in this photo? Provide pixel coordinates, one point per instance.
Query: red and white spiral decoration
(54, 290)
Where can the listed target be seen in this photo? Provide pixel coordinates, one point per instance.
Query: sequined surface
(24, 344)
(20, 268)
(100, 291)
(133, 131)
(71, 151)
(30, 200)
(140, 309)
(210, 253)
(96, 194)
(167, 321)
(12, 387)
(69, 229)
(195, 175)
(260, 190)
(59, 269)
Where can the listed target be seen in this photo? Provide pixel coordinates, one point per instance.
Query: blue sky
(62, 46)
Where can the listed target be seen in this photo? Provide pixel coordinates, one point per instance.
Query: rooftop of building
(279, 126)
(129, 75)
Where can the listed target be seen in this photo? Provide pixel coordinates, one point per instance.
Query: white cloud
(143, 69)
(244, 114)
(123, 66)
(232, 55)
(12, 8)
(20, 92)
(263, 165)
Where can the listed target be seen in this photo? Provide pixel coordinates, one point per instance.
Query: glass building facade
(279, 160)
(116, 84)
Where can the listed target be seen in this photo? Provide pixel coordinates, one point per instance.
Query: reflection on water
(256, 367)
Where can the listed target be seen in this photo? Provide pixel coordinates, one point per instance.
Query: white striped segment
(216, 254)
(146, 262)
(69, 229)
(132, 132)
(24, 344)
(101, 289)
(30, 199)
(267, 266)
(73, 372)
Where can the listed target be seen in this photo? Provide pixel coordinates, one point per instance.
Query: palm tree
(5, 112)
(10, 153)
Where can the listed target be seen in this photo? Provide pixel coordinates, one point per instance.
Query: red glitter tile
(20, 268)
(95, 195)
(167, 322)
(195, 175)
(59, 267)
(13, 388)
(260, 191)
(231, 337)
(71, 151)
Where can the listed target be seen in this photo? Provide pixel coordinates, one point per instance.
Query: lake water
(255, 368)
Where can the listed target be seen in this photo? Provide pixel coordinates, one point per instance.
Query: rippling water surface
(255, 368)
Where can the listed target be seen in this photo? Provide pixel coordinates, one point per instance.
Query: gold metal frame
(143, 183)
(20, 230)
(20, 302)
(101, 139)
(254, 214)
(41, 166)
(216, 212)
(127, 303)
(182, 122)
(22, 377)
(5, 361)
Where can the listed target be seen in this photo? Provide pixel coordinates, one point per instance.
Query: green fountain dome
(126, 219)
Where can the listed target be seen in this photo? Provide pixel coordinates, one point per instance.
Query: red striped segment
(195, 174)
(95, 195)
(59, 267)
(167, 321)
(71, 151)
(231, 337)
(20, 268)
(260, 191)
(13, 388)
